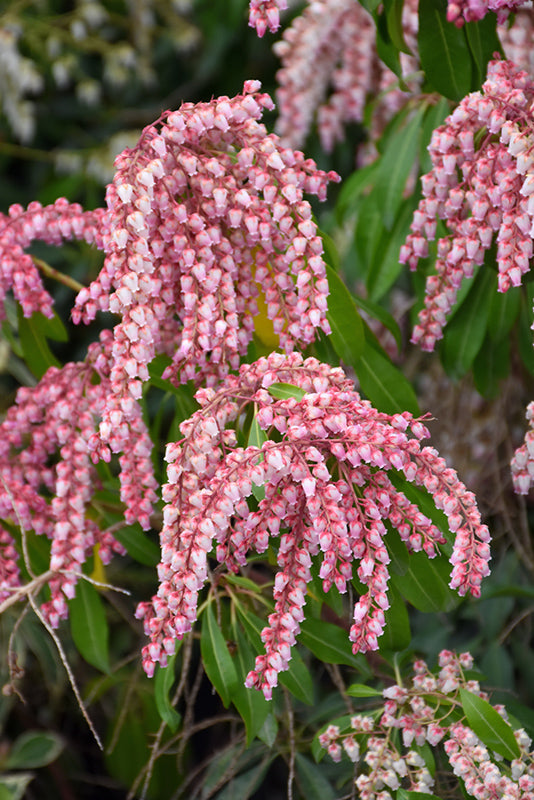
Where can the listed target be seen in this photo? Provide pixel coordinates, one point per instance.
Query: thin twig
(56, 275)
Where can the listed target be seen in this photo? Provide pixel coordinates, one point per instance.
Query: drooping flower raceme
(421, 712)
(58, 420)
(480, 185)
(205, 208)
(330, 68)
(338, 513)
(52, 224)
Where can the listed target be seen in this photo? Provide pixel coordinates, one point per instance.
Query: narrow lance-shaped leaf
(89, 626)
(489, 726)
(216, 657)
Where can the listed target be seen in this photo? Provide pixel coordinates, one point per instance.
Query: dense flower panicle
(58, 419)
(415, 712)
(461, 11)
(336, 513)
(331, 46)
(207, 207)
(480, 186)
(265, 14)
(51, 224)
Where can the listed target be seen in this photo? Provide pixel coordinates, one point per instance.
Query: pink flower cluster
(330, 47)
(461, 11)
(52, 224)
(206, 208)
(265, 14)
(337, 513)
(58, 420)
(422, 715)
(480, 185)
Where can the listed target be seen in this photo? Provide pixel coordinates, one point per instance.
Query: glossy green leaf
(491, 366)
(216, 658)
(89, 625)
(353, 187)
(386, 48)
(383, 384)
(284, 391)
(138, 545)
(397, 635)
(483, 43)
(393, 10)
(163, 683)
(347, 334)
(443, 51)
(386, 267)
(504, 310)
(396, 164)
(256, 438)
(251, 704)
(359, 690)
(466, 331)
(489, 726)
(313, 783)
(244, 785)
(426, 584)
(34, 749)
(375, 310)
(328, 642)
(34, 333)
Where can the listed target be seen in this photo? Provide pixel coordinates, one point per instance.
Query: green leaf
(269, 730)
(89, 626)
(383, 384)
(284, 391)
(491, 366)
(13, 787)
(139, 546)
(426, 583)
(256, 438)
(375, 310)
(504, 310)
(33, 334)
(397, 635)
(34, 749)
(162, 686)
(216, 658)
(328, 642)
(483, 43)
(443, 51)
(359, 690)
(386, 49)
(466, 331)
(386, 268)
(393, 9)
(526, 350)
(347, 334)
(313, 783)
(251, 704)
(489, 726)
(353, 187)
(396, 164)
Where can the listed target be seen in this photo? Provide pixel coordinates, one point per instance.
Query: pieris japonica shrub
(221, 497)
